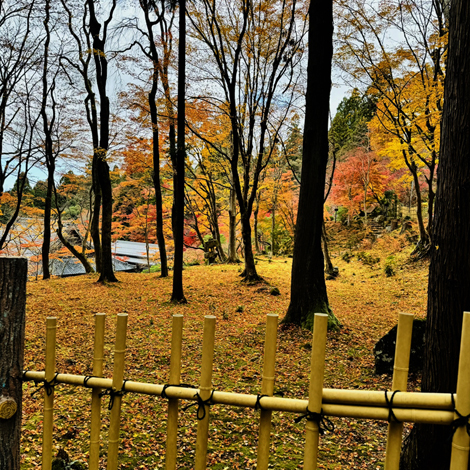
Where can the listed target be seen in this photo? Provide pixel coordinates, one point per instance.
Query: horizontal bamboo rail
(358, 398)
(407, 408)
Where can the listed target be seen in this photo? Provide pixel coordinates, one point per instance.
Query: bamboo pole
(205, 390)
(51, 331)
(406, 413)
(118, 375)
(312, 429)
(400, 382)
(267, 388)
(461, 440)
(95, 425)
(173, 403)
(358, 398)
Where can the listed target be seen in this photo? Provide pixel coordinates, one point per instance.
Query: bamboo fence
(395, 406)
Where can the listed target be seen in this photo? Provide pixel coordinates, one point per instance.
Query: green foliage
(366, 258)
(390, 264)
(349, 127)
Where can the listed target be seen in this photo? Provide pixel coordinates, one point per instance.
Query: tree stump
(13, 273)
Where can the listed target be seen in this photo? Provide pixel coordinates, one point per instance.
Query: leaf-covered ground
(365, 300)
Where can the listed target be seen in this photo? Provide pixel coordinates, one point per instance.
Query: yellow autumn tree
(396, 50)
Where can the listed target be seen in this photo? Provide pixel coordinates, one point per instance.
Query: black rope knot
(258, 404)
(86, 379)
(324, 424)
(47, 386)
(113, 394)
(462, 420)
(201, 405)
(391, 414)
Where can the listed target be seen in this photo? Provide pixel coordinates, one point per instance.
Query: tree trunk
(156, 146)
(100, 152)
(178, 168)
(13, 274)
(249, 274)
(308, 288)
(273, 229)
(46, 242)
(255, 226)
(232, 242)
(449, 273)
(326, 254)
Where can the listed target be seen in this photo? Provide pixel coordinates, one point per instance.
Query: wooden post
(95, 425)
(13, 274)
(461, 440)
(118, 376)
(400, 382)
(205, 391)
(267, 388)
(312, 429)
(48, 421)
(173, 403)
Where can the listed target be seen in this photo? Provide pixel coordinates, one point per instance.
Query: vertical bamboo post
(461, 440)
(267, 388)
(400, 382)
(173, 403)
(95, 394)
(51, 330)
(118, 376)
(205, 390)
(317, 368)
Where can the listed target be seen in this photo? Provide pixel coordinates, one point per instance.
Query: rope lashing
(165, 396)
(324, 424)
(391, 415)
(113, 394)
(201, 405)
(461, 420)
(86, 379)
(48, 386)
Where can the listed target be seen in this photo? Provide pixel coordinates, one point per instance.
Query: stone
(384, 349)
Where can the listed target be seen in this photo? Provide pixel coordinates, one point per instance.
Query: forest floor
(364, 298)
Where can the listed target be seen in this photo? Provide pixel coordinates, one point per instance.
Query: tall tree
(255, 47)
(449, 272)
(177, 294)
(308, 288)
(91, 42)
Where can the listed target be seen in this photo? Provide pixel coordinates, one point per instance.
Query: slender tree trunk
(255, 226)
(449, 274)
(178, 169)
(232, 242)
(156, 145)
(50, 163)
(46, 243)
(326, 254)
(95, 220)
(308, 288)
(423, 242)
(273, 231)
(249, 274)
(13, 275)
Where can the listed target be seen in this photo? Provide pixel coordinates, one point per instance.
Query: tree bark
(449, 272)
(100, 151)
(232, 242)
(13, 274)
(178, 168)
(308, 288)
